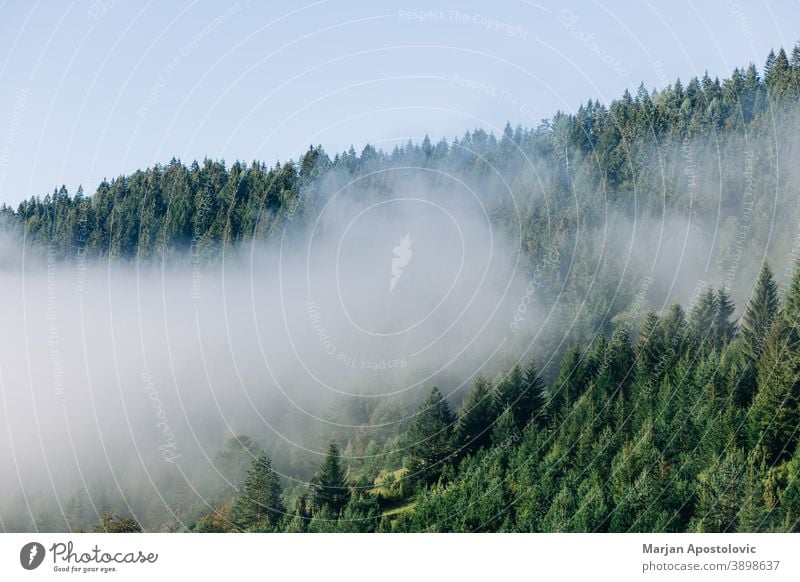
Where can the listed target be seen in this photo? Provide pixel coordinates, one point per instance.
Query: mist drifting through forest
(142, 331)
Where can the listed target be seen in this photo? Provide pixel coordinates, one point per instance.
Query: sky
(94, 89)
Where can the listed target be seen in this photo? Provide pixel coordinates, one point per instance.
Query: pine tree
(649, 346)
(569, 385)
(524, 393)
(258, 507)
(721, 489)
(703, 318)
(329, 486)
(759, 313)
(474, 426)
(774, 416)
(505, 430)
(791, 305)
(753, 512)
(724, 328)
(361, 514)
(430, 436)
(534, 410)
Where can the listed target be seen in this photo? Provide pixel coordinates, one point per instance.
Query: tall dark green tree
(774, 415)
(430, 436)
(524, 393)
(474, 427)
(724, 327)
(259, 507)
(760, 313)
(534, 399)
(569, 386)
(329, 485)
(703, 318)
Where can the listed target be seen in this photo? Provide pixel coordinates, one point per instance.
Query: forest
(635, 417)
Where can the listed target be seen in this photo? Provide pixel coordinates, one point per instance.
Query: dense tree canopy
(675, 419)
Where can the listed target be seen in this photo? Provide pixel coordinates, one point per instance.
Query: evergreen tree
(534, 399)
(791, 305)
(703, 318)
(329, 485)
(760, 313)
(474, 427)
(720, 496)
(569, 385)
(430, 436)
(774, 416)
(724, 327)
(505, 429)
(524, 394)
(258, 507)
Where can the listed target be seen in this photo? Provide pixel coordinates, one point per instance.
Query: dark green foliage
(523, 392)
(259, 507)
(329, 485)
(569, 386)
(721, 492)
(760, 313)
(474, 427)
(692, 425)
(361, 514)
(774, 416)
(430, 436)
(672, 450)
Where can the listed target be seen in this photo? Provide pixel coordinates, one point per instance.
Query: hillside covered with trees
(677, 419)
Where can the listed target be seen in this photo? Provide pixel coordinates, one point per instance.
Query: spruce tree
(329, 485)
(505, 430)
(474, 427)
(524, 394)
(791, 305)
(534, 398)
(703, 318)
(569, 385)
(774, 417)
(259, 507)
(430, 436)
(724, 328)
(759, 313)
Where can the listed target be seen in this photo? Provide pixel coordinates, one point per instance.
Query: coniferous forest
(634, 415)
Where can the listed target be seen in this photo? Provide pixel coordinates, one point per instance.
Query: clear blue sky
(94, 89)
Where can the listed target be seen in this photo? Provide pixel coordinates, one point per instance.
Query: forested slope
(673, 419)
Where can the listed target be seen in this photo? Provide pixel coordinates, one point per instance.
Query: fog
(123, 381)
(120, 381)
